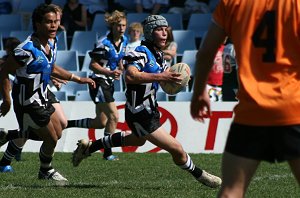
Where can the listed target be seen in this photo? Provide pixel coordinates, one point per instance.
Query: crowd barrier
(196, 137)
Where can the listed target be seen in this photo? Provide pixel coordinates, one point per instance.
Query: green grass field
(136, 175)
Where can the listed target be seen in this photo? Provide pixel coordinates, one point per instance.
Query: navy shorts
(52, 98)
(142, 123)
(40, 115)
(267, 143)
(103, 92)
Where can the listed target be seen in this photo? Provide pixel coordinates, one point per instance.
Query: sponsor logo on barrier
(213, 125)
(165, 116)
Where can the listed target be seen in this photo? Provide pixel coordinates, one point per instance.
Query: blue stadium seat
(62, 40)
(71, 87)
(118, 84)
(2, 53)
(129, 6)
(185, 40)
(28, 7)
(183, 96)
(212, 4)
(83, 41)
(161, 96)
(68, 60)
(20, 34)
(119, 96)
(99, 23)
(136, 17)
(86, 62)
(10, 22)
(189, 57)
(83, 95)
(60, 3)
(1, 42)
(60, 95)
(174, 20)
(199, 23)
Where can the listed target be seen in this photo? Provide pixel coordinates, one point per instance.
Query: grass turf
(138, 175)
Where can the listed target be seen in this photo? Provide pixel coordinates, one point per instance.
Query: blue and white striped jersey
(32, 79)
(143, 96)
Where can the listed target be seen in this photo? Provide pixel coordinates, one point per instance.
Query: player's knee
(140, 142)
(114, 117)
(64, 123)
(177, 149)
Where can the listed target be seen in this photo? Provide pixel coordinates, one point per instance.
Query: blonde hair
(135, 26)
(114, 17)
(57, 8)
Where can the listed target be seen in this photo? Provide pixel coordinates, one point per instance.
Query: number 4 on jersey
(267, 40)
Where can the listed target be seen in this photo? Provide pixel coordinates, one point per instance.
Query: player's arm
(98, 61)
(200, 104)
(9, 66)
(134, 76)
(59, 72)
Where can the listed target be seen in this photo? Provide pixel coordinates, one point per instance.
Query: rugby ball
(173, 88)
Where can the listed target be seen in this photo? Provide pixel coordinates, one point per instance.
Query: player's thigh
(109, 109)
(295, 167)
(162, 139)
(50, 133)
(61, 115)
(237, 171)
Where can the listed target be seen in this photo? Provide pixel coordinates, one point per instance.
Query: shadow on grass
(41, 186)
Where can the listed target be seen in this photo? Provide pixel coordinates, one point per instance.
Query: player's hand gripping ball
(173, 88)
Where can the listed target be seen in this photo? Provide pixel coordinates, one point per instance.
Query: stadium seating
(199, 23)
(68, 60)
(161, 96)
(2, 53)
(99, 23)
(60, 3)
(118, 85)
(136, 17)
(83, 41)
(119, 96)
(83, 95)
(61, 95)
(183, 96)
(174, 20)
(1, 42)
(71, 87)
(10, 22)
(62, 40)
(189, 57)
(26, 6)
(185, 40)
(20, 34)
(212, 4)
(129, 6)
(86, 62)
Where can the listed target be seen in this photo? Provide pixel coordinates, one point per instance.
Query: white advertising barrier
(196, 137)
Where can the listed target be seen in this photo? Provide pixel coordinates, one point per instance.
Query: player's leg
(111, 114)
(98, 97)
(63, 123)
(291, 150)
(295, 167)
(50, 137)
(13, 148)
(85, 147)
(236, 175)
(61, 115)
(167, 142)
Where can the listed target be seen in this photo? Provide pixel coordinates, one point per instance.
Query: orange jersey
(266, 37)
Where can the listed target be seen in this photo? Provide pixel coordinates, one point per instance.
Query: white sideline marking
(272, 177)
